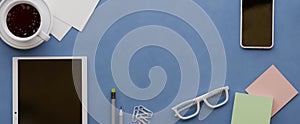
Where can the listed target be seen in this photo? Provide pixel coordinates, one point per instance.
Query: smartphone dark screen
(47, 91)
(257, 23)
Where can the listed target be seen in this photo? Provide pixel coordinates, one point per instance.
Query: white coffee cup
(44, 36)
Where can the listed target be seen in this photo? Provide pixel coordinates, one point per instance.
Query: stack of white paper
(70, 13)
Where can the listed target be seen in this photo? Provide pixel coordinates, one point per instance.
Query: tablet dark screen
(47, 91)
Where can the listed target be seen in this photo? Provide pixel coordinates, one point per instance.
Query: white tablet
(50, 90)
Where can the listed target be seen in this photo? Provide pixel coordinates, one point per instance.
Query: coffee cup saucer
(45, 25)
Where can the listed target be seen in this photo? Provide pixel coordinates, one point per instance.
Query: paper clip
(146, 111)
(141, 115)
(134, 113)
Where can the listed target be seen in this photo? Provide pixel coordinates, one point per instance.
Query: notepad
(251, 109)
(74, 12)
(273, 84)
(59, 29)
(70, 13)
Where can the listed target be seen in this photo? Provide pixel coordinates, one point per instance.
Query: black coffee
(23, 20)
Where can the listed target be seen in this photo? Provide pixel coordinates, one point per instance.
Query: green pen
(113, 106)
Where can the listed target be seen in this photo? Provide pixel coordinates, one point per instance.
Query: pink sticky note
(273, 84)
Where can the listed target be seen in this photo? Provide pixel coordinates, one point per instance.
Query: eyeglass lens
(217, 99)
(188, 109)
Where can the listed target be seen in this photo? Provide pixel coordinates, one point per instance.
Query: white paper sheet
(59, 28)
(74, 12)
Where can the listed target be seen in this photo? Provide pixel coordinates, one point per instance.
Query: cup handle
(44, 36)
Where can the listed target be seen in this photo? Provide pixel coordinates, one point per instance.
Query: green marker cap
(113, 90)
(113, 93)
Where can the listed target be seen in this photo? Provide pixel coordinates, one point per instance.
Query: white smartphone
(257, 24)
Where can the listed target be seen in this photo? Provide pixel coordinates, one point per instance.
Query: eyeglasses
(181, 109)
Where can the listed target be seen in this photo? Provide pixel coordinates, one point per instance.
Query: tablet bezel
(83, 87)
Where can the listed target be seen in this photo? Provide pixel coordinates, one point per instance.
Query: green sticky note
(251, 109)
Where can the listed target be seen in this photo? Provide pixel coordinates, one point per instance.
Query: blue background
(243, 66)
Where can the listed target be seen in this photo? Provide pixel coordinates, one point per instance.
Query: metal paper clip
(141, 115)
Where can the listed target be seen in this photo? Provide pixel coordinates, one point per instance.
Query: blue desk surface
(153, 59)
